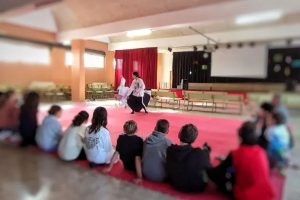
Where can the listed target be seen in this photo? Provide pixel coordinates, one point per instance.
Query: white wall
(166, 62)
(246, 62)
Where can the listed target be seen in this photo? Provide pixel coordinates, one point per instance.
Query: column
(78, 71)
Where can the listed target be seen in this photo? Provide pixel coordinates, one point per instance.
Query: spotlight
(252, 44)
(240, 45)
(228, 46)
(216, 46)
(204, 47)
(195, 48)
(289, 42)
(169, 49)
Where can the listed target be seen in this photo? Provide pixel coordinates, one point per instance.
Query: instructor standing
(136, 93)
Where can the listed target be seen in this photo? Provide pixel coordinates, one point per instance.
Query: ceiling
(10, 5)
(74, 14)
(218, 26)
(94, 12)
(169, 20)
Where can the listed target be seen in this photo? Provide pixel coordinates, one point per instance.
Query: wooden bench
(99, 91)
(213, 100)
(236, 101)
(197, 99)
(166, 97)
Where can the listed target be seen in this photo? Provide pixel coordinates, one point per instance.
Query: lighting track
(203, 35)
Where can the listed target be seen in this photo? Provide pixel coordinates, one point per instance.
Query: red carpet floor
(218, 132)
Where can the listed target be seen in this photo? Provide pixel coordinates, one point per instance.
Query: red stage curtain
(144, 61)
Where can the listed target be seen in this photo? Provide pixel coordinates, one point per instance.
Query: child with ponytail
(71, 145)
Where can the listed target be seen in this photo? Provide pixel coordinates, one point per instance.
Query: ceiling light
(252, 44)
(289, 42)
(140, 32)
(240, 45)
(258, 17)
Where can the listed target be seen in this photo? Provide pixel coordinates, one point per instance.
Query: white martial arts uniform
(122, 91)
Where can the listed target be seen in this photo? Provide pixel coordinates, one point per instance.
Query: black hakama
(136, 103)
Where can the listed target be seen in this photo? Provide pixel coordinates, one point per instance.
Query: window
(91, 59)
(68, 58)
(15, 51)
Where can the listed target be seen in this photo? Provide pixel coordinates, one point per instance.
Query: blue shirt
(284, 112)
(49, 133)
(279, 139)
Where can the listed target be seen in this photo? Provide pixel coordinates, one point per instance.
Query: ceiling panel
(213, 27)
(87, 13)
(6, 5)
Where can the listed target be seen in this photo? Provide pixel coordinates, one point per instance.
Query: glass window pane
(23, 52)
(68, 58)
(93, 60)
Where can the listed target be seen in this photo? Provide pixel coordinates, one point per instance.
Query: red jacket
(252, 174)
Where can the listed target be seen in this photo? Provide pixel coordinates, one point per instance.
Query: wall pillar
(78, 71)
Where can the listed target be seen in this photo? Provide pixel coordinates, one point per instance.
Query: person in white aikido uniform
(122, 91)
(136, 94)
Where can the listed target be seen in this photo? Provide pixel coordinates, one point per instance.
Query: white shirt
(97, 146)
(137, 87)
(71, 144)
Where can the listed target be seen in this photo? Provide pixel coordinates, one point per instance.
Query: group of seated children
(244, 174)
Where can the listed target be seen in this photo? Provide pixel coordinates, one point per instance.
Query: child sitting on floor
(155, 152)
(245, 172)
(50, 131)
(28, 122)
(71, 145)
(97, 142)
(130, 149)
(9, 111)
(186, 166)
(279, 141)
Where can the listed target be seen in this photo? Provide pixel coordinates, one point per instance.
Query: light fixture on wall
(240, 45)
(258, 17)
(169, 49)
(140, 32)
(289, 42)
(252, 44)
(228, 46)
(195, 48)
